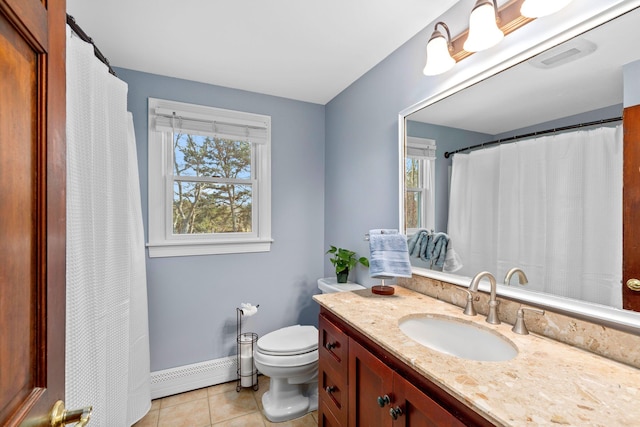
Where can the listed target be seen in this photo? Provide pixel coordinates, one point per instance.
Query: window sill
(174, 249)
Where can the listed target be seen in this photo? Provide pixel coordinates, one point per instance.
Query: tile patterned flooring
(217, 406)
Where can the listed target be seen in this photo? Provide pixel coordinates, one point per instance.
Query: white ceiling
(524, 95)
(308, 51)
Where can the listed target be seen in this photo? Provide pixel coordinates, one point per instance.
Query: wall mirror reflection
(548, 202)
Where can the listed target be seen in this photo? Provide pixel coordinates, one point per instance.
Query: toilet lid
(289, 341)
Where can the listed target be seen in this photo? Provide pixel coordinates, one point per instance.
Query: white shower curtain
(107, 344)
(550, 205)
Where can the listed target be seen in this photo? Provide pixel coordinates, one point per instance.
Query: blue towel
(429, 246)
(414, 245)
(383, 231)
(418, 244)
(439, 252)
(389, 255)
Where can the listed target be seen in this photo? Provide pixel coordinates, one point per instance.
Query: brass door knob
(634, 285)
(60, 416)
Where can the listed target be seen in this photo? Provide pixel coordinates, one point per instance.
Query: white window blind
(223, 125)
(422, 148)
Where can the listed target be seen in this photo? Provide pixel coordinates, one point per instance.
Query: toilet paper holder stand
(247, 374)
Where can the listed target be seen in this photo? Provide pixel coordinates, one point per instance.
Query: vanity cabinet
(361, 384)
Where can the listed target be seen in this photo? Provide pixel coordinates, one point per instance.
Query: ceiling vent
(564, 53)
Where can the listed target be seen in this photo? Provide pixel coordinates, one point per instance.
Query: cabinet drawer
(326, 418)
(333, 345)
(333, 391)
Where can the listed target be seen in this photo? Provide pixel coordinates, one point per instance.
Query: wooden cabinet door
(415, 409)
(32, 209)
(631, 207)
(369, 380)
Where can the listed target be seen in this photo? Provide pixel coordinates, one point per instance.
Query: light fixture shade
(538, 8)
(439, 59)
(483, 28)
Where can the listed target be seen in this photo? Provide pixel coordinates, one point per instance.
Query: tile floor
(217, 406)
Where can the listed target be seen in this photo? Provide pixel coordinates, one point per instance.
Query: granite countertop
(547, 383)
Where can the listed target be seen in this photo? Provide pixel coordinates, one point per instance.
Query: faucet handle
(469, 309)
(520, 327)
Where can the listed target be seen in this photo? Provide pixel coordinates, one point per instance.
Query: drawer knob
(383, 401)
(395, 412)
(330, 345)
(330, 389)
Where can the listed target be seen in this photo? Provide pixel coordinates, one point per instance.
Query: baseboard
(192, 377)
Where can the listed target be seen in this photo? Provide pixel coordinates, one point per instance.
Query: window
(209, 180)
(420, 184)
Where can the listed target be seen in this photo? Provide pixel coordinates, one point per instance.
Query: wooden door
(370, 380)
(631, 210)
(415, 409)
(32, 209)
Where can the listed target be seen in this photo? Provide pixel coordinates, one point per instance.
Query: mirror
(578, 81)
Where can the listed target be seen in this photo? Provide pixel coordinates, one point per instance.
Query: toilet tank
(329, 285)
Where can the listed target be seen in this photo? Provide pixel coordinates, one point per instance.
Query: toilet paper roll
(245, 346)
(248, 309)
(246, 362)
(246, 371)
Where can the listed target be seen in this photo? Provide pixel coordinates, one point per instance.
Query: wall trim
(191, 377)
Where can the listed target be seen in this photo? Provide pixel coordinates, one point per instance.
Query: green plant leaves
(345, 259)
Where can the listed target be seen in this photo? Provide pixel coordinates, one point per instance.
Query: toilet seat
(289, 341)
(286, 361)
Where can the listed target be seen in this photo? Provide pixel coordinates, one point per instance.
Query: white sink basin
(458, 338)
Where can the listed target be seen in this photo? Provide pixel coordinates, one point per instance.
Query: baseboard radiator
(192, 377)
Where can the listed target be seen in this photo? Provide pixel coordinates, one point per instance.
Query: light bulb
(439, 59)
(483, 29)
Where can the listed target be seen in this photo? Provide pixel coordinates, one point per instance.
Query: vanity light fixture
(538, 8)
(439, 49)
(483, 27)
(488, 24)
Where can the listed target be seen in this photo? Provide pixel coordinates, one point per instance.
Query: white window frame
(162, 241)
(424, 150)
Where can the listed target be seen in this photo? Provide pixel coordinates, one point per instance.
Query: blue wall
(632, 84)
(192, 300)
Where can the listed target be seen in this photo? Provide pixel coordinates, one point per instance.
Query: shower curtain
(107, 342)
(550, 205)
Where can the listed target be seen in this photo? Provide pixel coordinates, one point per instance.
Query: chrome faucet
(522, 278)
(492, 316)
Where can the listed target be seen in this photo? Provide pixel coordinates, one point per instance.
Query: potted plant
(344, 260)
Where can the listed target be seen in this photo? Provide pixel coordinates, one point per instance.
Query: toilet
(289, 357)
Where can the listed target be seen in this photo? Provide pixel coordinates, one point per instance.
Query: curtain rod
(84, 37)
(527, 135)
